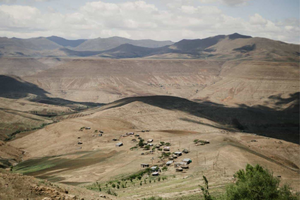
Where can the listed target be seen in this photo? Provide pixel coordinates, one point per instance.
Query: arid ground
(247, 110)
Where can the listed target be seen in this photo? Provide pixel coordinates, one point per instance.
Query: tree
(99, 186)
(141, 143)
(205, 190)
(257, 183)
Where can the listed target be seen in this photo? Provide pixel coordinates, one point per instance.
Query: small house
(100, 134)
(79, 142)
(150, 140)
(178, 153)
(184, 166)
(114, 139)
(154, 168)
(137, 135)
(155, 174)
(130, 133)
(185, 151)
(166, 148)
(169, 163)
(119, 144)
(87, 128)
(187, 160)
(178, 164)
(179, 169)
(150, 144)
(144, 165)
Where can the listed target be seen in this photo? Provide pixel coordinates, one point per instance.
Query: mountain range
(224, 47)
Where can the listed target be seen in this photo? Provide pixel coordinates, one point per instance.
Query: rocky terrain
(65, 104)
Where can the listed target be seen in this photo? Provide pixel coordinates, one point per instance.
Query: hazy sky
(155, 19)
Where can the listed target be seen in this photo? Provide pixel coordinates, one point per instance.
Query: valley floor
(66, 152)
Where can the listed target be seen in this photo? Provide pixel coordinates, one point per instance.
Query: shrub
(165, 155)
(111, 192)
(257, 183)
(153, 198)
(254, 183)
(141, 143)
(147, 147)
(132, 148)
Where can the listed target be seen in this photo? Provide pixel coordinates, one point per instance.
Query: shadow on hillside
(15, 88)
(261, 120)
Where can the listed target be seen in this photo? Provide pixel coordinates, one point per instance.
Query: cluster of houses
(85, 128)
(99, 133)
(119, 144)
(179, 166)
(128, 134)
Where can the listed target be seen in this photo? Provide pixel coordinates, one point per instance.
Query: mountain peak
(237, 36)
(64, 42)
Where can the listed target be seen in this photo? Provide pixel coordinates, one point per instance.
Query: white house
(119, 144)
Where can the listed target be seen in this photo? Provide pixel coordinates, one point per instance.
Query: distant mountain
(39, 43)
(223, 47)
(66, 43)
(192, 46)
(128, 51)
(234, 46)
(102, 44)
(229, 47)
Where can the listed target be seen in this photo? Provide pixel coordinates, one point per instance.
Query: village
(164, 158)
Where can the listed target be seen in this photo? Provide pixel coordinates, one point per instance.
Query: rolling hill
(54, 153)
(63, 105)
(66, 43)
(102, 44)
